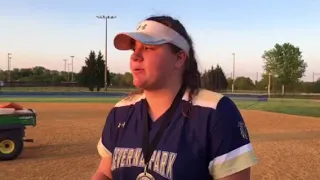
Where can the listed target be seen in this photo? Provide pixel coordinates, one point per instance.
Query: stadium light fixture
(105, 54)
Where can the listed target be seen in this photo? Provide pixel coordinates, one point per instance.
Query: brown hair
(191, 75)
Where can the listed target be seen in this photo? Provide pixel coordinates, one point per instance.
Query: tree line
(283, 63)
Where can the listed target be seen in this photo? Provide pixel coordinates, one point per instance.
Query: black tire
(17, 150)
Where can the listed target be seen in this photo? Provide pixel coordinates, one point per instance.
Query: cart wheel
(10, 147)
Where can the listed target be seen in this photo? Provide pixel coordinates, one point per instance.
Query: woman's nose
(136, 56)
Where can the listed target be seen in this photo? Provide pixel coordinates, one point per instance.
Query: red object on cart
(12, 105)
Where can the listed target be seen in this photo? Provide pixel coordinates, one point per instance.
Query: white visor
(151, 33)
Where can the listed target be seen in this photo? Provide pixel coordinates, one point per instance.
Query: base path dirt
(66, 136)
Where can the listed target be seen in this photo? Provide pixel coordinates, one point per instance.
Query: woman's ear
(181, 59)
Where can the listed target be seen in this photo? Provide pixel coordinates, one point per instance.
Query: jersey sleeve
(230, 147)
(106, 142)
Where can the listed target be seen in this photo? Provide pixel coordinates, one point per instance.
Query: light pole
(105, 54)
(234, 64)
(72, 68)
(9, 66)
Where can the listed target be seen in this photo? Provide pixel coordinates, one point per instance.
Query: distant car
(13, 121)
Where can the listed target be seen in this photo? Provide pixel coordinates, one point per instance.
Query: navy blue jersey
(211, 143)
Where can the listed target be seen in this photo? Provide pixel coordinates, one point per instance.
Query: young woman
(172, 129)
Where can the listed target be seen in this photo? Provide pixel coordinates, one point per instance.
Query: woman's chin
(139, 84)
(143, 85)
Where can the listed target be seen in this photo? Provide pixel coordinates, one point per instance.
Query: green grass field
(287, 106)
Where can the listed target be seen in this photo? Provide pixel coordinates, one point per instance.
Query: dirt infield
(65, 144)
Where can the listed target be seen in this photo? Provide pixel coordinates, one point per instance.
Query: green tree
(262, 85)
(2, 75)
(275, 84)
(285, 62)
(88, 73)
(307, 87)
(109, 77)
(221, 82)
(26, 72)
(243, 83)
(316, 86)
(229, 80)
(100, 68)
(127, 79)
(214, 79)
(92, 74)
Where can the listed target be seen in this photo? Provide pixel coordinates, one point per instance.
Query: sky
(44, 32)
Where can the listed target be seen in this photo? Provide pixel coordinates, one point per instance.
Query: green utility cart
(13, 121)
